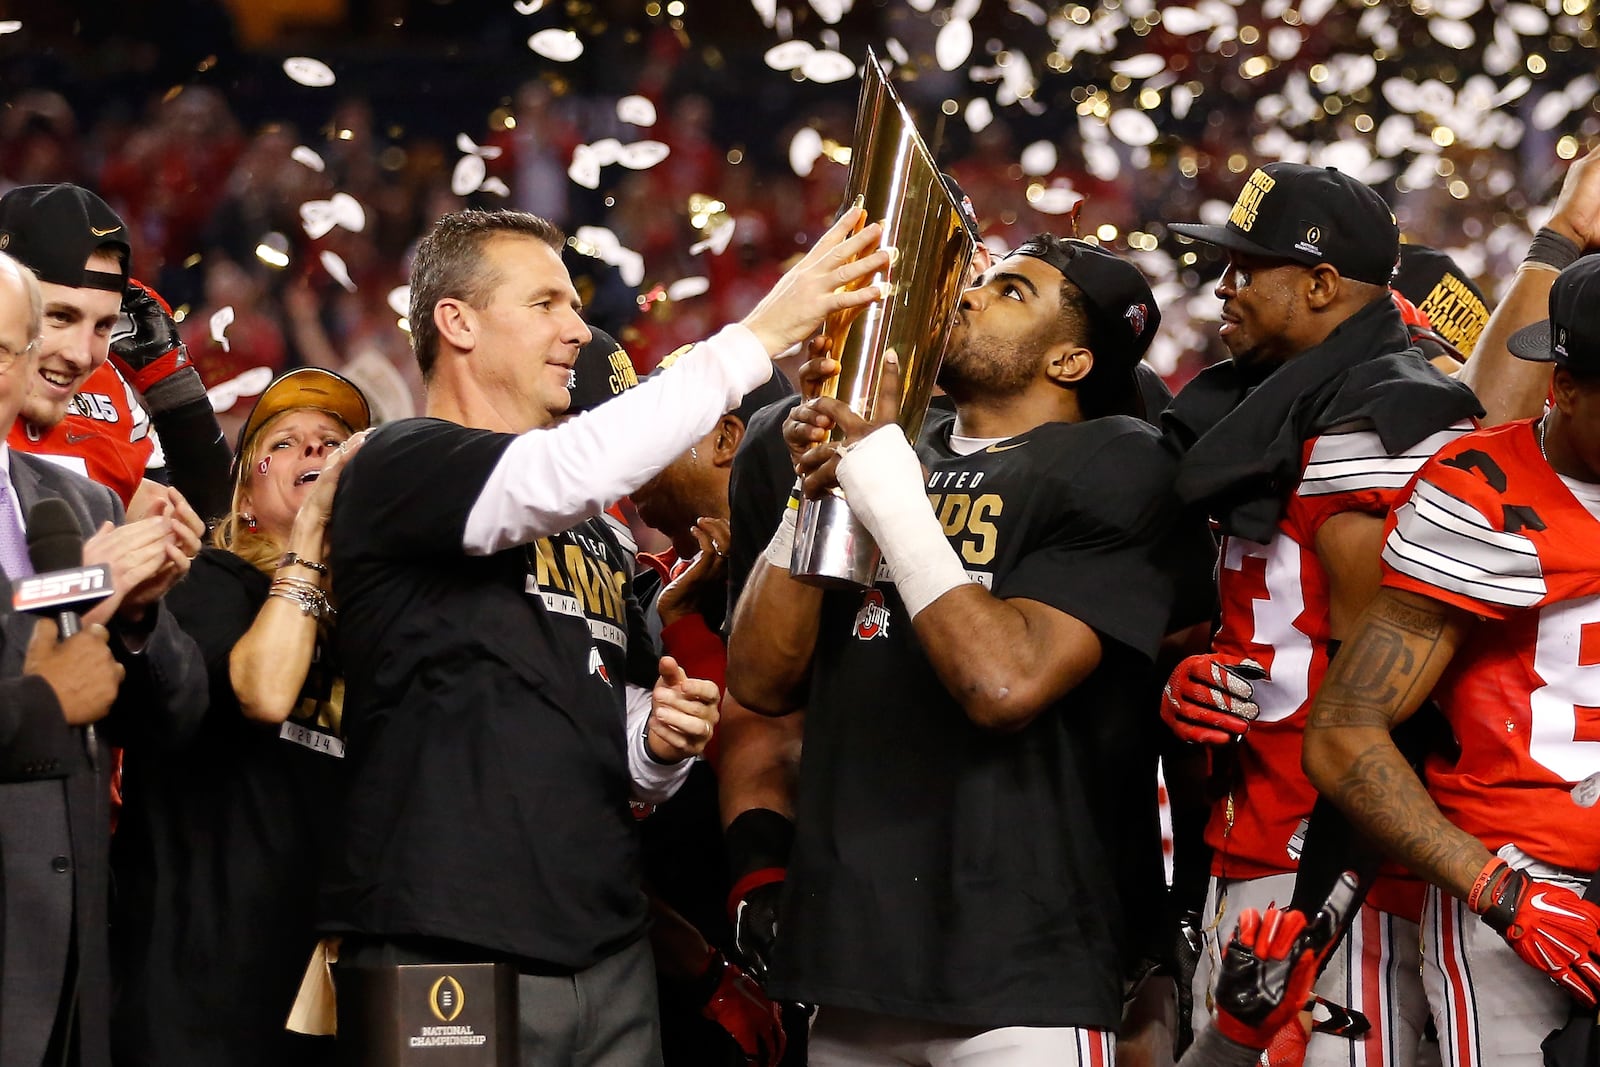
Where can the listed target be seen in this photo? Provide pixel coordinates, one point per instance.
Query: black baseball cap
(1123, 315)
(603, 370)
(53, 229)
(1441, 290)
(1570, 337)
(1309, 215)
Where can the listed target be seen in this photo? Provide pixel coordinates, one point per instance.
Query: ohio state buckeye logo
(872, 620)
(1138, 316)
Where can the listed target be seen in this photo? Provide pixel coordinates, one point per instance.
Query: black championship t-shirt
(489, 782)
(948, 873)
(217, 853)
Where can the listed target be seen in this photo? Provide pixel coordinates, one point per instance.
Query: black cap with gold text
(1309, 215)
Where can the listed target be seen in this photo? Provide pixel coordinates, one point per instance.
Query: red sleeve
(701, 653)
(1446, 540)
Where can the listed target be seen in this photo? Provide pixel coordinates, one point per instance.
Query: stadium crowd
(1222, 708)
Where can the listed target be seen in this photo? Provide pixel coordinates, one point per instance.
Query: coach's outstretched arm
(549, 479)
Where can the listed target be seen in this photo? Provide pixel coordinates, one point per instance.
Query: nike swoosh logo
(1004, 448)
(104, 233)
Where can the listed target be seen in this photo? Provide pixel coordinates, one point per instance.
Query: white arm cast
(548, 480)
(653, 782)
(882, 482)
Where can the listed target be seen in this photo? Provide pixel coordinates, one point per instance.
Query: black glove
(149, 353)
(758, 844)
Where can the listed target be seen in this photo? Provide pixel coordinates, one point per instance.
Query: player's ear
(1322, 286)
(1068, 364)
(725, 442)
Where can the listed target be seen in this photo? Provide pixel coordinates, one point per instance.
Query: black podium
(428, 1015)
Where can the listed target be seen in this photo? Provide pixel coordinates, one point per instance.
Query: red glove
(149, 354)
(1208, 702)
(1265, 977)
(1553, 929)
(739, 1006)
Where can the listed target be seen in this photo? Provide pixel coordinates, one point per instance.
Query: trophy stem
(832, 549)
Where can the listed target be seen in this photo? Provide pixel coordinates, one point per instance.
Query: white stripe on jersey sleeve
(1443, 541)
(1353, 461)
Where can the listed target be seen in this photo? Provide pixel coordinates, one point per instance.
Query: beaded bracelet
(291, 560)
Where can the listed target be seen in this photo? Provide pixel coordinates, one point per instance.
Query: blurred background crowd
(277, 159)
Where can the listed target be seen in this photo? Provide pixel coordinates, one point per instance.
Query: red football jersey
(106, 436)
(1275, 610)
(1490, 528)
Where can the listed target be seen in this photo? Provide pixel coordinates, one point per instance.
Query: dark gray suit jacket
(54, 819)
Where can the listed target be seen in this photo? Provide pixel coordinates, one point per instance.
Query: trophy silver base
(831, 547)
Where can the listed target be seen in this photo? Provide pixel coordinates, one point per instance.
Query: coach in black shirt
(496, 712)
(951, 891)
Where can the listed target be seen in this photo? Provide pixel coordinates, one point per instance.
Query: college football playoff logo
(873, 618)
(446, 998)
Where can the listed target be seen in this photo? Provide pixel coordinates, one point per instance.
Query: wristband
(1551, 249)
(758, 839)
(749, 884)
(1480, 887)
(780, 550)
(882, 481)
(291, 560)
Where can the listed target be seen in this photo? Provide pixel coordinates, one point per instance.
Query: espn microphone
(61, 588)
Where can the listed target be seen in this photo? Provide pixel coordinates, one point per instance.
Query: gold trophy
(888, 353)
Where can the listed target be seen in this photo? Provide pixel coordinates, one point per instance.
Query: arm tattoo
(1369, 682)
(1383, 796)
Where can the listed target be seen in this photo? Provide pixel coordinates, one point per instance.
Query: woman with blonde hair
(217, 855)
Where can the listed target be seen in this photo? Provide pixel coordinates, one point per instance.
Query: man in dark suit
(54, 827)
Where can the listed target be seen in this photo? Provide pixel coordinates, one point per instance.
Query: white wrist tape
(780, 550)
(882, 482)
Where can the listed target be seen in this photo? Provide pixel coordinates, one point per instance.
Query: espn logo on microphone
(73, 587)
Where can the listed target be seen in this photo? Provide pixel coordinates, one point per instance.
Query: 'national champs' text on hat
(53, 229)
(1570, 337)
(1309, 215)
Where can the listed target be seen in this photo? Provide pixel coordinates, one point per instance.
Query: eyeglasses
(9, 355)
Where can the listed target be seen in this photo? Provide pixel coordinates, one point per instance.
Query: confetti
(717, 242)
(1139, 67)
(1038, 158)
(1454, 34)
(831, 11)
(609, 249)
(636, 111)
(466, 144)
(399, 300)
(526, 7)
(789, 55)
(825, 67)
(307, 71)
(585, 167)
(1133, 127)
(978, 114)
(333, 263)
(221, 319)
(562, 46)
(641, 155)
(495, 186)
(804, 148)
(1058, 199)
(468, 175)
(225, 395)
(10, 26)
(1526, 20)
(307, 158)
(953, 45)
(687, 288)
(897, 51)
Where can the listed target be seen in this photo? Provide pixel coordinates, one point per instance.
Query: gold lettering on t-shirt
(966, 522)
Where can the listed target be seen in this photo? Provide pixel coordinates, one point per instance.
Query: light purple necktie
(13, 544)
